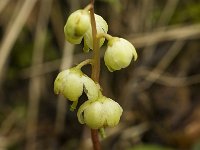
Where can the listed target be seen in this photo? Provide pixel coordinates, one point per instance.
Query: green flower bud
(69, 84)
(101, 26)
(72, 82)
(76, 26)
(119, 54)
(100, 113)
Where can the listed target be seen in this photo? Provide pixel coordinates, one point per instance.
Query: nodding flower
(101, 26)
(71, 83)
(103, 112)
(76, 26)
(119, 54)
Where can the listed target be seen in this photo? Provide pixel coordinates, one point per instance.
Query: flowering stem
(95, 69)
(104, 35)
(83, 63)
(73, 106)
(88, 7)
(96, 57)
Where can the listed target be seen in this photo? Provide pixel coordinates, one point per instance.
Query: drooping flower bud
(69, 84)
(100, 113)
(76, 26)
(119, 54)
(72, 82)
(101, 26)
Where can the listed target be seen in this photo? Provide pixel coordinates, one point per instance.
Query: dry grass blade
(162, 65)
(165, 17)
(169, 80)
(152, 77)
(36, 83)
(55, 64)
(3, 4)
(13, 32)
(167, 13)
(176, 33)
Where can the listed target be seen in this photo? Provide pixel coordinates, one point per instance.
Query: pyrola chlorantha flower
(119, 54)
(103, 112)
(102, 27)
(72, 82)
(76, 26)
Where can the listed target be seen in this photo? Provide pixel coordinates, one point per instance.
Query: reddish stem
(96, 57)
(95, 139)
(95, 70)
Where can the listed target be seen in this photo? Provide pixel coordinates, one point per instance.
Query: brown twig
(95, 69)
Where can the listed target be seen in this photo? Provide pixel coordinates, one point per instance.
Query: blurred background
(160, 92)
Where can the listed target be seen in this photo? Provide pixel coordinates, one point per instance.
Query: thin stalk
(83, 63)
(95, 69)
(104, 35)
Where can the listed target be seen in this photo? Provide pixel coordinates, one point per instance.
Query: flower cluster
(97, 111)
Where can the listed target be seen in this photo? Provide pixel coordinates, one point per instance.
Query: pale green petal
(76, 40)
(69, 84)
(135, 55)
(60, 81)
(101, 26)
(113, 112)
(81, 110)
(119, 54)
(73, 87)
(99, 113)
(91, 89)
(76, 26)
(85, 48)
(93, 115)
